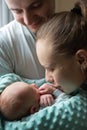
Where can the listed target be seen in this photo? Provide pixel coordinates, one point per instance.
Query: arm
(7, 75)
(56, 93)
(10, 78)
(14, 60)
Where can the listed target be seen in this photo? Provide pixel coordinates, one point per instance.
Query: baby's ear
(33, 109)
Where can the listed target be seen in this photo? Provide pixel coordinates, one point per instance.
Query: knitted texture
(70, 114)
(65, 114)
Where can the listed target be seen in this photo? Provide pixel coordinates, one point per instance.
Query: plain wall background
(62, 5)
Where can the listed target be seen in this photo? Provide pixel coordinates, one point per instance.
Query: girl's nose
(49, 78)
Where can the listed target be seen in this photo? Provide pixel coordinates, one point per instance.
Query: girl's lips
(56, 86)
(60, 88)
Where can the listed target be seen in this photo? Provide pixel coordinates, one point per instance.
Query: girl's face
(31, 13)
(60, 70)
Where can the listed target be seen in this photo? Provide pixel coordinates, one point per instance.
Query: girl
(62, 51)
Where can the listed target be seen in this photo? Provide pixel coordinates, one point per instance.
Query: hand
(46, 89)
(46, 100)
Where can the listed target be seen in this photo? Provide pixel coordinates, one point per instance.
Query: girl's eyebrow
(49, 65)
(14, 9)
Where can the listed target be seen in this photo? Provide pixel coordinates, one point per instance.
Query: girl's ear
(81, 56)
(33, 109)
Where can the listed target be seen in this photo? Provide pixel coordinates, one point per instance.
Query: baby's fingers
(42, 91)
(50, 100)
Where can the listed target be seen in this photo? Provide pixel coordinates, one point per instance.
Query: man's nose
(28, 17)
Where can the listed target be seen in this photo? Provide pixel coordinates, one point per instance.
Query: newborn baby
(21, 99)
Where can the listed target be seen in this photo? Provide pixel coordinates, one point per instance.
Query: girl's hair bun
(77, 10)
(80, 8)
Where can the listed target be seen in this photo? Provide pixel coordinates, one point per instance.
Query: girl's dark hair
(67, 31)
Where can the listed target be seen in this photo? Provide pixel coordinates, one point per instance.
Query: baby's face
(33, 98)
(18, 99)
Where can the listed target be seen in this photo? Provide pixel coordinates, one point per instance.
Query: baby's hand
(47, 89)
(46, 100)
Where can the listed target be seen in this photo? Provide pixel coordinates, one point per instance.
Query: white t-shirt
(17, 52)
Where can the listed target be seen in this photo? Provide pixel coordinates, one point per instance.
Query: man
(17, 40)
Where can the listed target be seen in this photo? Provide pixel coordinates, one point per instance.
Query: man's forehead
(19, 3)
(23, 3)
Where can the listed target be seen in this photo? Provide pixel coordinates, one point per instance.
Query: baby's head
(19, 99)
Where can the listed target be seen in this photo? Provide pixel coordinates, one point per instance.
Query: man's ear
(81, 56)
(33, 109)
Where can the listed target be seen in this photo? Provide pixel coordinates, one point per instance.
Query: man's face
(31, 13)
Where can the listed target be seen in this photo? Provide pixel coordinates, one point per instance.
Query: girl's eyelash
(36, 4)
